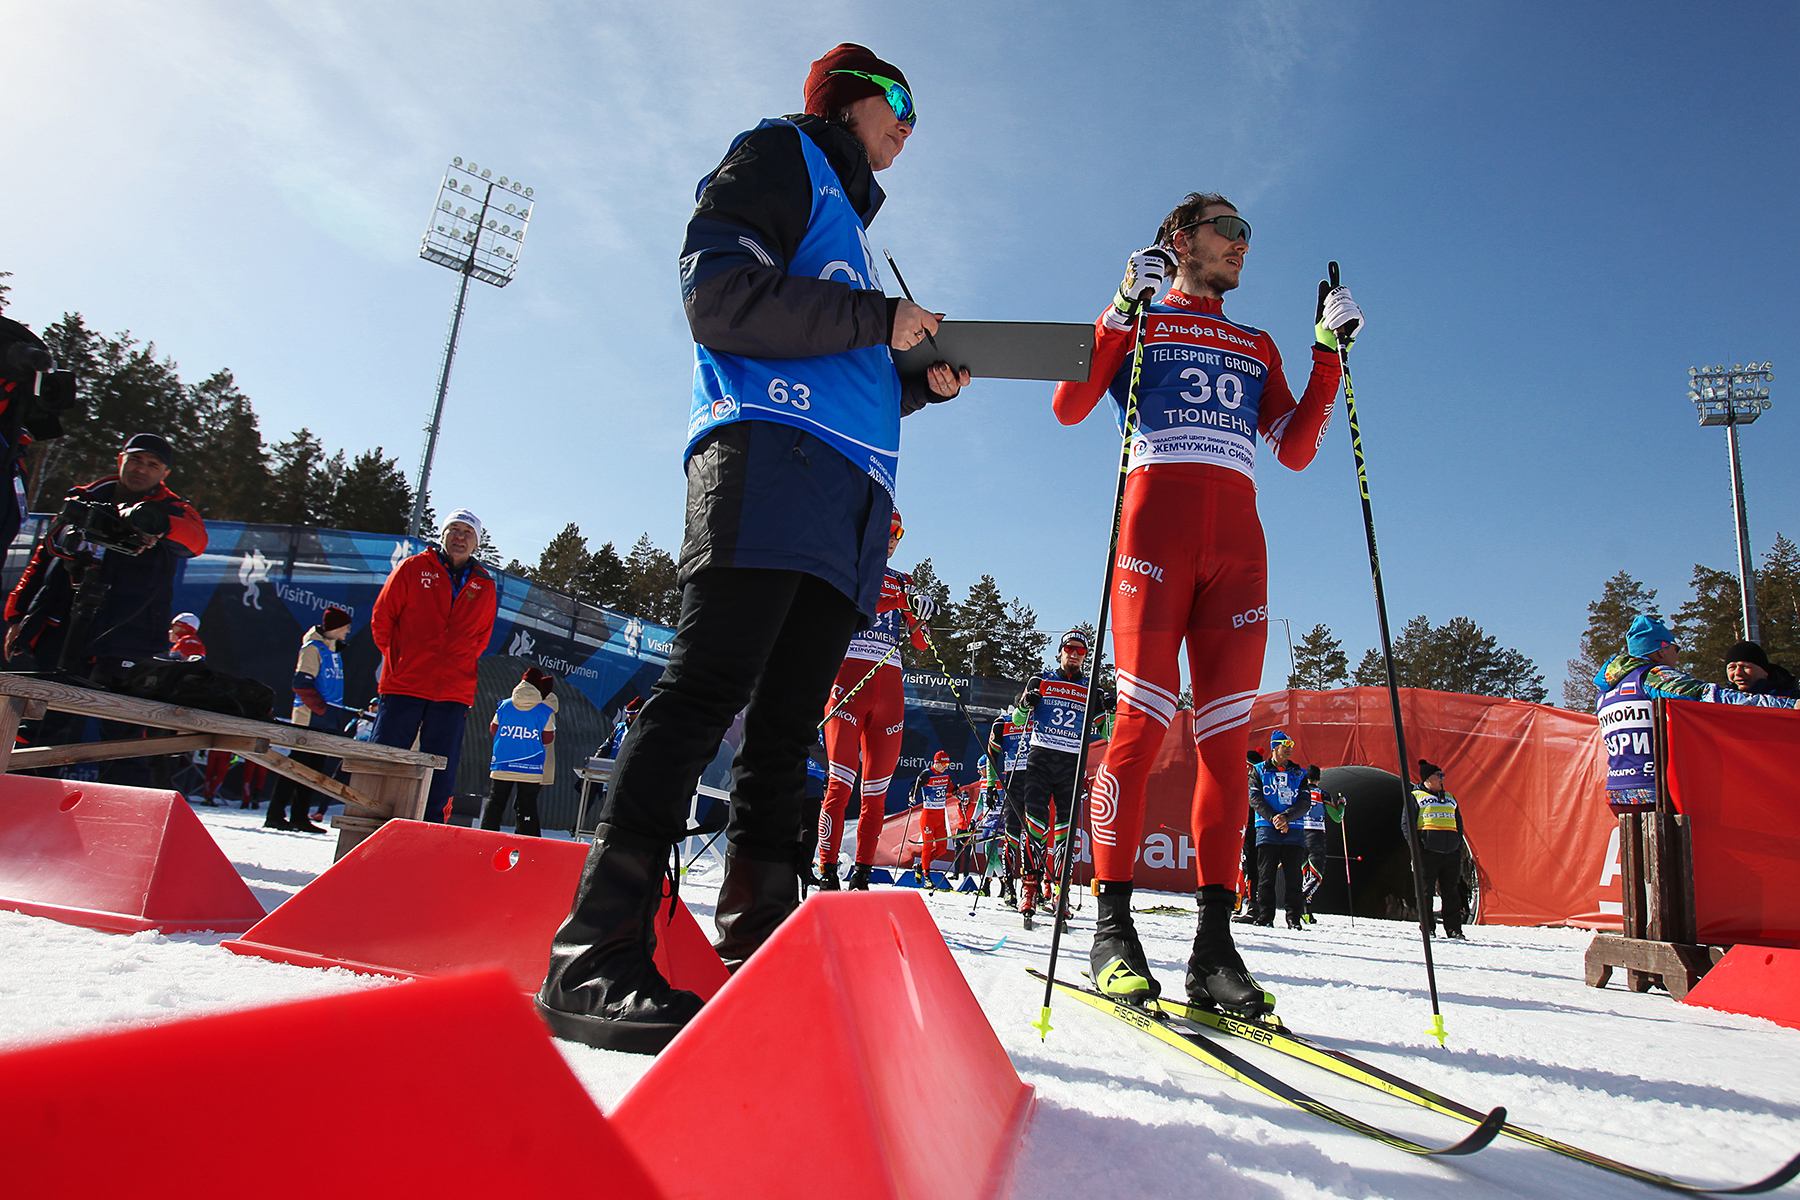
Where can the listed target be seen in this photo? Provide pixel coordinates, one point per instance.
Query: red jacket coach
(431, 622)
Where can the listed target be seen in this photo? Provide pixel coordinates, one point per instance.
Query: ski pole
(1344, 834)
(1077, 821)
(845, 698)
(1408, 804)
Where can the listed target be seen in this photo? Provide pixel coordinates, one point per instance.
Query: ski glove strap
(1146, 277)
(1336, 313)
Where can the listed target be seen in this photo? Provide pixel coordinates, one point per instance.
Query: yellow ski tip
(1437, 1029)
(1042, 1024)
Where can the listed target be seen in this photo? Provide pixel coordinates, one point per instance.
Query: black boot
(754, 899)
(828, 878)
(1116, 961)
(1216, 976)
(276, 817)
(602, 988)
(859, 878)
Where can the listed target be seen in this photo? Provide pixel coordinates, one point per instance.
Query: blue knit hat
(1646, 636)
(1277, 738)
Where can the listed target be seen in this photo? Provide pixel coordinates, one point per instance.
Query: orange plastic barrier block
(123, 859)
(848, 1050)
(415, 900)
(446, 1087)
(1757, 981)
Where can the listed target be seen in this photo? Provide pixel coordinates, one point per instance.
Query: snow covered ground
(1681, 1090)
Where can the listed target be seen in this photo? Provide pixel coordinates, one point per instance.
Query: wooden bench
(385, 782)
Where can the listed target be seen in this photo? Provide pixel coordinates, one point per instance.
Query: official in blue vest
(1628, 683)
(522, 730)
(1280, 798)
(318, 704)
(792, 447)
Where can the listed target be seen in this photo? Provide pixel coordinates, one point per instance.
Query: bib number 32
(795, 394)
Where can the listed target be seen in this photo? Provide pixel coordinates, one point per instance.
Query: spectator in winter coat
(184, 638)
(132, 623)
(318, 704)
(1749, 669)
(1628, 683)
(432, 621)
(1442, 841)
(523, 728)
(793, 442)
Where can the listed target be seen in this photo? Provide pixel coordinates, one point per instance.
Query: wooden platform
(385, 782)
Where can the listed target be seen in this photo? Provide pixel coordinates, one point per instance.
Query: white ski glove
(1337, 317)
(1146, 277)
(923, 606)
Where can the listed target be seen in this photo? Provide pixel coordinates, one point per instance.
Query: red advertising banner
(1730, 770)
(1530, 779)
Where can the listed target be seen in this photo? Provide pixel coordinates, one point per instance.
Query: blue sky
(1547, 211)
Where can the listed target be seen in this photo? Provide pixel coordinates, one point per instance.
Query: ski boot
(1028, 901)
(859, 878)
(1216, 976)
(828, 877)
(1116, 960)
(1296, 923)
(1009, 896)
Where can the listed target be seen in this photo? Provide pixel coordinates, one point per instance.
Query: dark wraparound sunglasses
(1231, 227)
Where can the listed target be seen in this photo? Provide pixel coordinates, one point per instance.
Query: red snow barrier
(122, 859)
(1757, 981)
(447, 1087)
(849, 1048)
(415, 899)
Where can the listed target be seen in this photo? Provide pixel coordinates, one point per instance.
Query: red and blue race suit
(1192, 563)
(866, 731)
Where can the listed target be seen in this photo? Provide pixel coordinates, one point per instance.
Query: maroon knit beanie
(826, 94)
(541, 680)
(334, 618)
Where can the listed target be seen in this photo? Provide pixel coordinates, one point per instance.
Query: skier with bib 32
(1192, 564)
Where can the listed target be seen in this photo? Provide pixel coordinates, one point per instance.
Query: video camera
(130, 530)
(44, 392)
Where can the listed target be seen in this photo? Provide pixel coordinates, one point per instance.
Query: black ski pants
(1443, 874)
(1287, 858)
(1049, 778)
(761, 641)
(503, 791)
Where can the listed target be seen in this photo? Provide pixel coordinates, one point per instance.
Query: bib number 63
(796, 394)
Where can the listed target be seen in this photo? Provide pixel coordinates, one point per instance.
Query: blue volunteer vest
(851, 400)
(1282, 790)
(1199, 393)
(1629, 730)
(519, 738)
(330, 678)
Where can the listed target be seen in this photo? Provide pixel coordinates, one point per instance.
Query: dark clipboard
(1053, 350)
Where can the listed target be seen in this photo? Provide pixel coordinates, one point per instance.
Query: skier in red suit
(866, 729)
(1192, 565)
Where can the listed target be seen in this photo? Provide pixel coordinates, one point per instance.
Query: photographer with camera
(95, 598)
(32, 393)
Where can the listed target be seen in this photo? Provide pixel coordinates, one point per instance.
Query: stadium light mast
(477, 229)
(1733, 397)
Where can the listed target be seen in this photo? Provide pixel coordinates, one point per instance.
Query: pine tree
(1458, 656)
(1319, 662)
(222, 468)
(1709, 623)
(299, 487)
(1021, 646)
(1778, 602)
(605, 579)
(981, 618)
(369, 495)
(563, 562)
(485, 550)
(1621, 599)
(650, 590)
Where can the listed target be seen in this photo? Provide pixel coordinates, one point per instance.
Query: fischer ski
(1182, 1035)
(1279, 1037)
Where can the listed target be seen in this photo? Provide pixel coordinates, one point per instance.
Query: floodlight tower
(1733, 397)
(477, 230)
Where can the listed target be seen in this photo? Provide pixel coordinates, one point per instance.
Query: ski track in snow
(1687, 1091)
